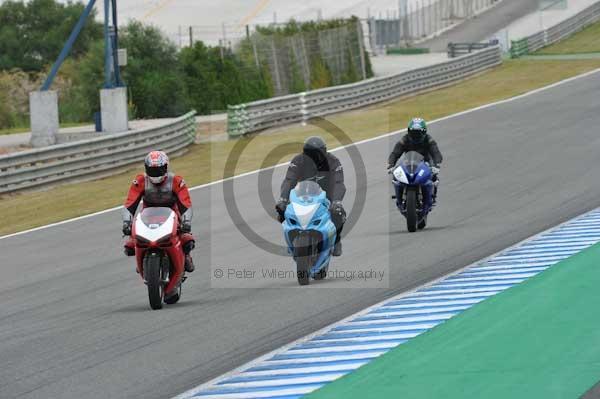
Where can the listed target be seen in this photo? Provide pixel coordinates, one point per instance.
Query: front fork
(425, 198)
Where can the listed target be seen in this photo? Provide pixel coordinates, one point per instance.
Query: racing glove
(280, 207)
(337, 211)
(435, 170)
(186, 227)
(127, 228)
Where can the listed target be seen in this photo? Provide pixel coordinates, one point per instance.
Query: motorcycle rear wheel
(154, 280)
(411, 210)
(302, 255)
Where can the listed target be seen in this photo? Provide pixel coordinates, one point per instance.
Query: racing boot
(189, 264)
(129, 247)
(337, 249)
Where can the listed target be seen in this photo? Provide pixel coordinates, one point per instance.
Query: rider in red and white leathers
(159, 188)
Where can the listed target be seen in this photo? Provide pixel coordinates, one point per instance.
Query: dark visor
(156, 171)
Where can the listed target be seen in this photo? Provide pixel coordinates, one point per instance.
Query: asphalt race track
(75, 320)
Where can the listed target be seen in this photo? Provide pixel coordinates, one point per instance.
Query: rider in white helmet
(157, 187)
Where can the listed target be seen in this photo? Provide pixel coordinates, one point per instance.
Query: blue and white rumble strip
(313, 361)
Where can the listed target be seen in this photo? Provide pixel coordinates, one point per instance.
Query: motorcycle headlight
(316, 222)
(293, 221)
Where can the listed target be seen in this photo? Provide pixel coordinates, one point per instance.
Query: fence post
(306, 61)
(373, 34)
(224, 35)
(361, 49)
(424, 31)
(255, 54)
(303, 108)
(430, 12)
(276, 67)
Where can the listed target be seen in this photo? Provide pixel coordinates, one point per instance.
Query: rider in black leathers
(315, 163)
(418, 140)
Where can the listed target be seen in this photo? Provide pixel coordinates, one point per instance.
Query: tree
(153, 72)
(215, 78)
(153, 76)
(33, 33)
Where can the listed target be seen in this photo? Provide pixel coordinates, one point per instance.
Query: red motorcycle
(159, 254)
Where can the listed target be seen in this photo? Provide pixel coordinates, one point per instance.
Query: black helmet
(316, 149)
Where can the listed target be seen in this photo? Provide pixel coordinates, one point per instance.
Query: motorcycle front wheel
(303, 257)
(411, 210)
(154, 280)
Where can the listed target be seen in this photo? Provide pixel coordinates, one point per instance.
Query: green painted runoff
(539, 339)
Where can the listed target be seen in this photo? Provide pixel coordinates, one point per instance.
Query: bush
(161, 81)
(15, 86)
(32, 33)
(153, 72)
(215, 78)
(153, 77)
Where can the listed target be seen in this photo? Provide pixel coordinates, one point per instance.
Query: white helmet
(157, 163)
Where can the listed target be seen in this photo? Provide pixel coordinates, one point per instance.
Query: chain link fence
(310, 59)
(294, 57)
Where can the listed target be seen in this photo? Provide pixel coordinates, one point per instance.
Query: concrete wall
(43, 109)
(113, 106)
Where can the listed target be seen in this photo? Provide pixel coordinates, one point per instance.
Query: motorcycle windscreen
(411, 161)
(155, 217)
(308, 188)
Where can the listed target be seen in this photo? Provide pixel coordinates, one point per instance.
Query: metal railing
(458, 49)
(260, 115)
(97, 157)
(556, 33)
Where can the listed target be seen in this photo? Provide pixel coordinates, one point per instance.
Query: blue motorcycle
(414, 189)
(309, 232)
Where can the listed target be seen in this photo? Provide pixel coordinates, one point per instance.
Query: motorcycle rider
(315, 163)
(417, 139)
(159, 188)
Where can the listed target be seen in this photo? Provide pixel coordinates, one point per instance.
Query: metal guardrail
(260, 115)
(458, 49)
(556, 33)
(87, 159)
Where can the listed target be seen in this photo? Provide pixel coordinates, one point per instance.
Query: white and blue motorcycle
(309, 232)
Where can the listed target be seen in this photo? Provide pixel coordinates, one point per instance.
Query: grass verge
(586, 41)
(206, 162)
(14, 130)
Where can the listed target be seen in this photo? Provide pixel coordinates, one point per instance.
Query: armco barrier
(92, 158)
(519, 48)
(259, 115)
(557, 32)
(458, 49)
